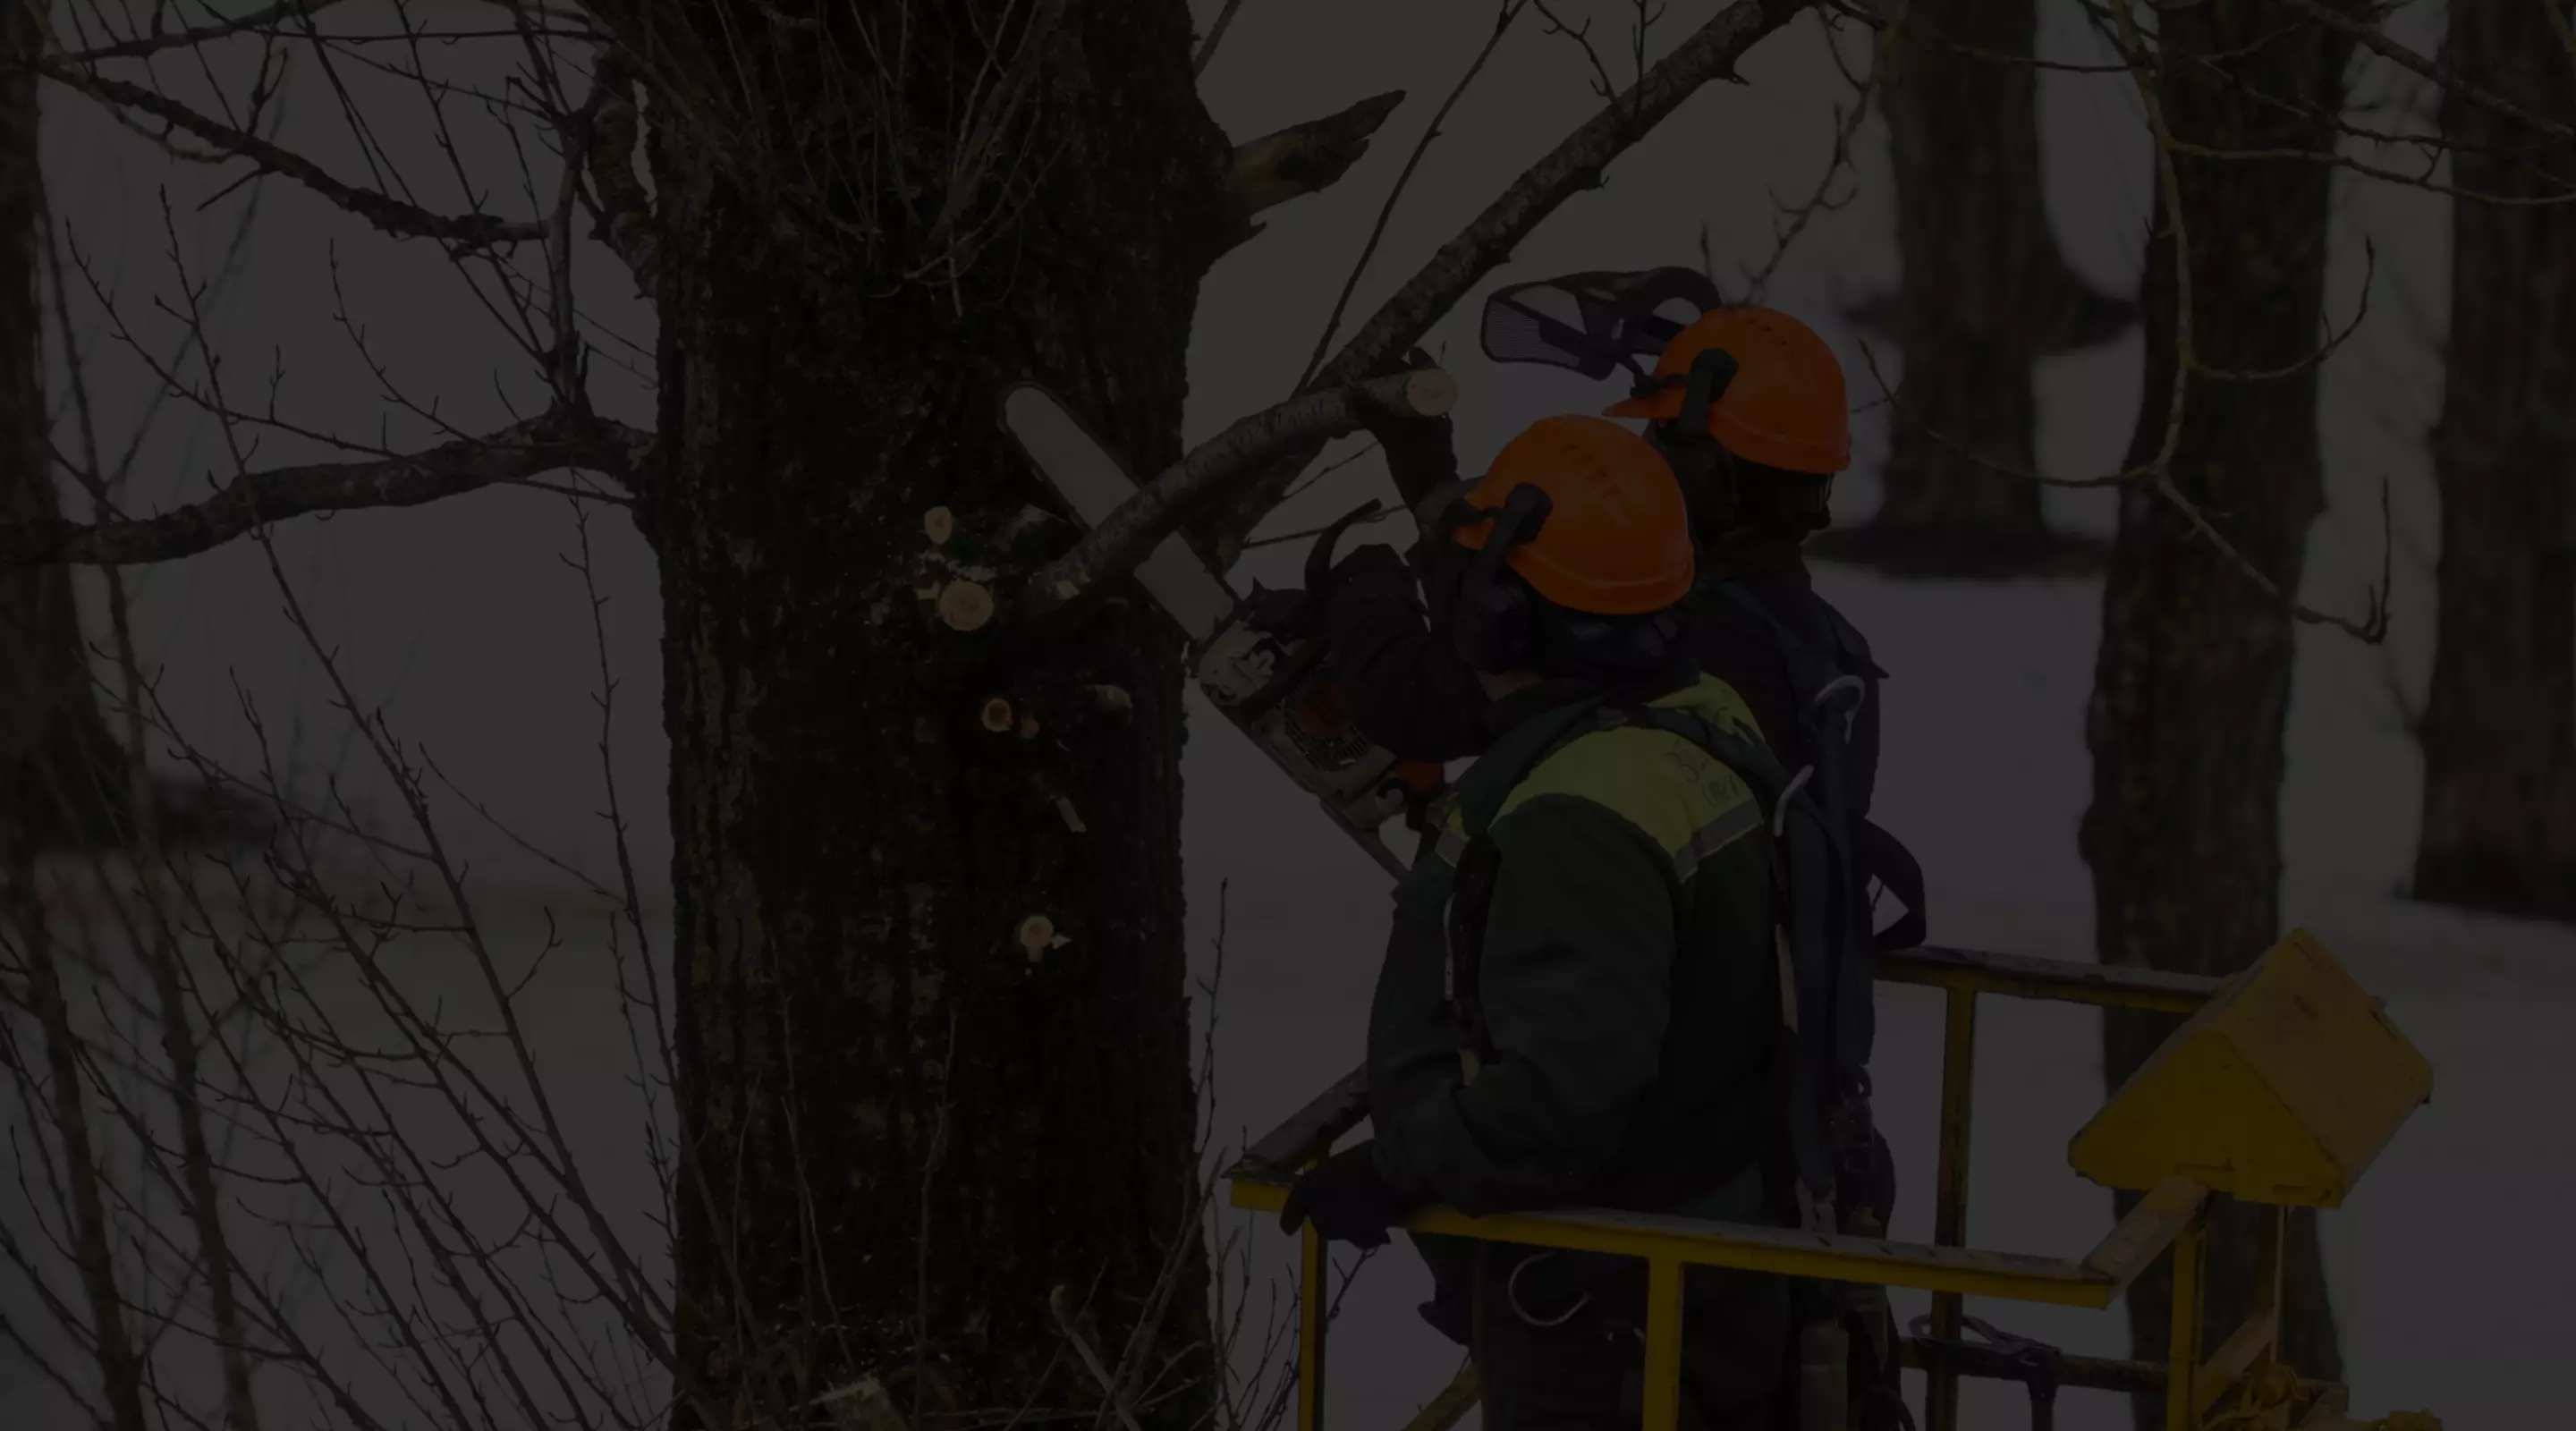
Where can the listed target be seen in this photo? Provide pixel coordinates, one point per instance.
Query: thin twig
(1216, 33)
(1503, 18)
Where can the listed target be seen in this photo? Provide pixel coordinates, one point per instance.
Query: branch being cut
(1307, 158)
(550, 442)
(1113, 548)
(391, 215)
(1576, 164)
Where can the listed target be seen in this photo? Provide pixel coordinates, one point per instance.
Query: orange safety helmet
(1784, 407)
(1616, 537)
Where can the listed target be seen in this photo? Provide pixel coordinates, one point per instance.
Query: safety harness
(1823, 856)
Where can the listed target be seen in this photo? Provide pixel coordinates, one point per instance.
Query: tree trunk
(1985, 295)
(932, 1030)
(58, 765)
(2499, 729)
(2192, 684)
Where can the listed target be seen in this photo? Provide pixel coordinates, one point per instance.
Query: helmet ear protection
(1491, 618)
(1706, 468)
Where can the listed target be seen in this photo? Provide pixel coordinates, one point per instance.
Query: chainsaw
(1260, 658)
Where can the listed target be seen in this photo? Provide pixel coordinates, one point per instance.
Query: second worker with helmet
(1582, 1002)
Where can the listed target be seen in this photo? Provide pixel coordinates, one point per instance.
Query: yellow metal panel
(2282, 1089)
(1663, 1345)
(2156, 1223)
(2182, 1344)
(1312, 1288)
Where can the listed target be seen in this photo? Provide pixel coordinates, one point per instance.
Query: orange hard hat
(1785, 406)
(1616, 539)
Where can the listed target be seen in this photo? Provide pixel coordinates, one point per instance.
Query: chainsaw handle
(1319, 558)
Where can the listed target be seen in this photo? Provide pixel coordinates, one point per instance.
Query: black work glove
(1346, 1199)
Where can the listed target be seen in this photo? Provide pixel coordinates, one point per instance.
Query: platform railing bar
(2057, 980)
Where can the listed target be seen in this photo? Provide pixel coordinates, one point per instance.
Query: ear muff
(1490, 620)
(1705, 467)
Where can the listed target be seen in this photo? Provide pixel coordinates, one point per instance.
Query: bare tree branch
(1216, 32)
(1114, 547)
(1503, 18)
(256, 22)
(391, 215)
(2369, 38)
(1307, 158)
(549, 442)
(1576, 164)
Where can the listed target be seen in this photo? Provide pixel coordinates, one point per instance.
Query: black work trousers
(1586, 1372)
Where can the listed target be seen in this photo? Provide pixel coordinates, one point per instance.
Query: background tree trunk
(2499, 728)
(933, 1037)
(1984, 296)
(58, 765)
(2192, 683)
(63, 772)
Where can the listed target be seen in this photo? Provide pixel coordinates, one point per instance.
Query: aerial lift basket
(2280, 1088)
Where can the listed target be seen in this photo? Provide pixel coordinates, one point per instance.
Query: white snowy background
(2451, 1268)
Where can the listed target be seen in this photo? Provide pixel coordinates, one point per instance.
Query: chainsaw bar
(1261, 666)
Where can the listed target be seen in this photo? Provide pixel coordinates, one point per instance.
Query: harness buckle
(1851, 711)
(1789, 792)
(1512, 1296)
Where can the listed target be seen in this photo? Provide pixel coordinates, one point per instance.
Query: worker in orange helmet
(1582, 996)
(1747, 404)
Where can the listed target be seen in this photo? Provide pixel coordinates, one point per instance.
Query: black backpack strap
(1472, 891)
(1885, 858)
(1876, 854)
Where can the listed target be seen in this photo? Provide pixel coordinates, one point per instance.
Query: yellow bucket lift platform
(2281, 1087)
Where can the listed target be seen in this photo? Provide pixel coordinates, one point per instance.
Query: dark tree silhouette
(2499, 726)
(1984, 295)
(2192, 684)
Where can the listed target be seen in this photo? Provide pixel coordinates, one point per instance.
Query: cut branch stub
(938, 524)
(965, 605)
(1306, 158)
(1037, 935)
(997, 716)
(1126, 536)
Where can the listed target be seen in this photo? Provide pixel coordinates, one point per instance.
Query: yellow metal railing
(2270, 1021)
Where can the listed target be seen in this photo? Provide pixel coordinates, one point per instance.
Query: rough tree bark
(2192, 683)
(930, 981)
(2499, 726)
(1984, 295)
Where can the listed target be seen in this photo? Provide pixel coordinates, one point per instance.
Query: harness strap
(1807, 1076)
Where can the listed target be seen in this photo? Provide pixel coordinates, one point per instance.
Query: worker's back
(1739, 647)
